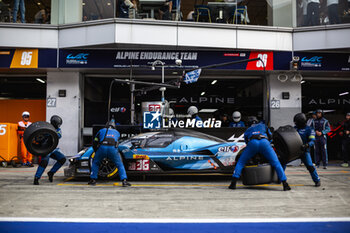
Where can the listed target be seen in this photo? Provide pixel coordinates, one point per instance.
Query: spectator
(123, 7)
(41, 16)
(303, 6)
(346, 141)
(19, 4)
(165, 10)
(24, 154)
(321, 127)
(332, 6)
(190, 16)
(236, 116)
(313, 13)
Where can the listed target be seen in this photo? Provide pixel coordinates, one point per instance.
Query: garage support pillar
(284, 99)
(69, 107)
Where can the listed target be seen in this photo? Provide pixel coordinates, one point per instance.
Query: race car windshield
(158, 141)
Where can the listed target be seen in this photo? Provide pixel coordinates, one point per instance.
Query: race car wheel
(107, 169)
(40, 138)
(287, 143)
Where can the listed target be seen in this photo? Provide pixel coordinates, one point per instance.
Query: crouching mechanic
(257, 138)
(56, 121)
(307, 134)
(105, 146)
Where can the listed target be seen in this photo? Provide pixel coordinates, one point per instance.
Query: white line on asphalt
(171, 220)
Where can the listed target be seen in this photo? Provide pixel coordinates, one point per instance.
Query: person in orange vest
(24, 154)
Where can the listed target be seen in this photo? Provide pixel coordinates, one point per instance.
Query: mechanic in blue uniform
(193, 112)
(236, 116)
(321, 127)
(307, 134)
(257, 139)
(56, 121)
(105, 146)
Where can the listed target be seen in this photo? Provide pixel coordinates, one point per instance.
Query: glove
(304, 147)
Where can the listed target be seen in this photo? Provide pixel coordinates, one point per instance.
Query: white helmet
(192, 110)
(236, 116)
(171, 112)
(25, 113)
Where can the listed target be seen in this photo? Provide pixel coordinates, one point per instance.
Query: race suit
(256, 138)
(108, 142)
(237, 124)
(56, 155)
(307, 134)
(25, 156)
(322, 125)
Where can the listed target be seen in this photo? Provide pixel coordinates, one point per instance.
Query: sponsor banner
(277, 60)
(190, 59)
(266, 61)
(324, 61)
(28, 58)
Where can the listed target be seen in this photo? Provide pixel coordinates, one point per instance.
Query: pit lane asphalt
(174, 196)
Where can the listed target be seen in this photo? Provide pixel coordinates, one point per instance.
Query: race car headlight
(71, 160)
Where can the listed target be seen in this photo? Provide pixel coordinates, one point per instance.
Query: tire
(40, 138)
(287, 143)
(258, 174)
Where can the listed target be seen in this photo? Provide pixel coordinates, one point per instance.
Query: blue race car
(165, 151)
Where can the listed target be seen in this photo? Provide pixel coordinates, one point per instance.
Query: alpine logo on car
(185, 158)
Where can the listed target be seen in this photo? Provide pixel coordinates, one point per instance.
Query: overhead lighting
(83, 4)
(108, 4)
(40, 80)
(39, 3)
(213, 82)
(327, 111)
(203, 93)
(344, 93)
(174, 72)
(208, 110)
(302, 82)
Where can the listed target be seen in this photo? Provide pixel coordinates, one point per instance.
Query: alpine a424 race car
(165, 151)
